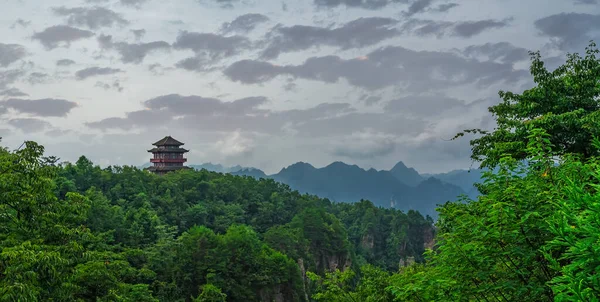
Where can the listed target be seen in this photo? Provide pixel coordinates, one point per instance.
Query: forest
(78, 232)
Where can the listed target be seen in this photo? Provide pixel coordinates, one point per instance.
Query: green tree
(210, 293)
(564, 103)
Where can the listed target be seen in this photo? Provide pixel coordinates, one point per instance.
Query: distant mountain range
(401, 187)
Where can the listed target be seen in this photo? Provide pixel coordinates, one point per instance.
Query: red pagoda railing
(168, 160)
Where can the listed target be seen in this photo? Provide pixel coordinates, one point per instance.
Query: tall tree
(564, 103)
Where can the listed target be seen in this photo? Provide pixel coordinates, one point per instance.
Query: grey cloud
(586, 1)
(133, 3)
(344, 124)
(13, 92)
(10, 53)
(445, 7)
(158, 69)
(41, 107)
(132, 52)
(423, 105)
(192, 64)
(8, 77)
(95, 71)
(65, 62)
(138, 33)
(370, 100)
(364, 145)
(92, 17)
(384, 67)
(570, 31)
(182, 105)
(503, 51)
(111, 123)
(164, 108)
(214, 46)
(20, 22)
(418, 6)
(354, 34)
(211, 114)
(57, 132)
(116, 85)
(463, 29)
(38, 78)
(209, 49)
(222, 3)
(367, 4)
(51, 37)
(244, 23)
(29, 124)
(472, 28)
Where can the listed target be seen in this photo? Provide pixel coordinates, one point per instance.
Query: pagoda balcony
(168, 160)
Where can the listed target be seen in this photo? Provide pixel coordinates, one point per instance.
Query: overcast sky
(267, 83)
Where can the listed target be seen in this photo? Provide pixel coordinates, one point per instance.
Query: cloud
(463, 29)
(201, 114)
(235, 145)
(95, 71)
(8, 77)
(423, 105)
(370, 100)
(222, 3)
(586, 1)
(502, 51)
(167, 107)
(367, 4)
(12, 92)
(52, 36)
(20, 22)
(65, 62)
(209, 48)
(363, 145)
(57, 132)
(38, 78)
(442, 8)
(244, 23)
(41, 107)
(10, 53)
(132, 52)
(116, 85)
(570, 31)
(28, 125)
(133, 3)
(418, 6)
(354, 34)
(384, 67)
(138, 33)
(91, 17)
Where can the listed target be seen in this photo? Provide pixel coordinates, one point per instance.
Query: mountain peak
(299, 166)
(408, 176)
(399, 165)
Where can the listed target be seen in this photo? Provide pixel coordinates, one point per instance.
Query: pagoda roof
(168, 141)
(178, 150)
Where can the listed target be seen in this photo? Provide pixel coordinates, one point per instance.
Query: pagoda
(168, 156)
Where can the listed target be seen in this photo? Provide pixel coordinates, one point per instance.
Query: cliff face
(429, 238)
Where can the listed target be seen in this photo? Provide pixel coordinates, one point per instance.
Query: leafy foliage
(76, 232)
(564, 104)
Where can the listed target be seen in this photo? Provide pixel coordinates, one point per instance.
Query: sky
(267, 83)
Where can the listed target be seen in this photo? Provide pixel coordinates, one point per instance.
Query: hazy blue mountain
(217, 168)
(465, 179)
(401, 187)
(406, 175)
(253, 172)
(349, 183)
